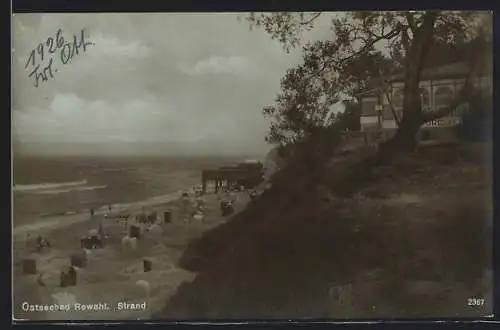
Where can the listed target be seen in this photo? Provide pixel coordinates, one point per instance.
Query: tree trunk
(405, 137)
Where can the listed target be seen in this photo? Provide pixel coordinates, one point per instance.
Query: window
(424, 98)
(443, 96)
(398, 97)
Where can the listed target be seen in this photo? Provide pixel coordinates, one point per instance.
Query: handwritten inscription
(40, 64)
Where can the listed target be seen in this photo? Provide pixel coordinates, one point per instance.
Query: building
(438, 86)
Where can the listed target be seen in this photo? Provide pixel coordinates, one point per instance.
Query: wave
(48, 185)
(62, 191)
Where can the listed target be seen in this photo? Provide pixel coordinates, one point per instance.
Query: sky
(149, 83)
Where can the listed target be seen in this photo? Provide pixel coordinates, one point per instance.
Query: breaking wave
(56, 188)
(48, 185)
(61, 191)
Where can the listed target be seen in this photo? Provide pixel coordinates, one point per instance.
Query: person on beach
(91, 211)
(40, 280)
(109, 207)
(39, 240)
(42, 243)
(100, 231)
(186, 206)
(94, 239)
(253, 195)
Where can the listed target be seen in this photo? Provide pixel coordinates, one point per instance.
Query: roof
(451, 70)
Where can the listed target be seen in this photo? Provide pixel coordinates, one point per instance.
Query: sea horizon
(45, 186)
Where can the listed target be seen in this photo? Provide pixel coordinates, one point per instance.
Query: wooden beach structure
(247, 174)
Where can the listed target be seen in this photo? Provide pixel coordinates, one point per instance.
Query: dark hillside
(360, 238)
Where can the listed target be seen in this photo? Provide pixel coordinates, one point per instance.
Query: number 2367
(475, 302)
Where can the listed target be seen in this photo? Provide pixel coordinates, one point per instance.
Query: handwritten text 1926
(41, 63)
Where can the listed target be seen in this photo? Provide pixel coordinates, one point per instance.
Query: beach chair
(91, 242)
(151, 218)
(142, 218)
(79, 259)
(226, 208)
(167, 216)
(148, 265)
(29, 266)
(135, 231)
(68, 278)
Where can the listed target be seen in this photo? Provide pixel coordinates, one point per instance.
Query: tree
(407, 36)
(309, 92)
(302, 106)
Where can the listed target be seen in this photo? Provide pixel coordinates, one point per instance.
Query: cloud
(236, 65)
(112, 47)
(196, 78)
(72, 119)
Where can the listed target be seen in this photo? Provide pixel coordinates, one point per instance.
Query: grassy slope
(356, 239)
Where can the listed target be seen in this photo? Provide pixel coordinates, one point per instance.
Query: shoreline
(112, 273)
(51, 222)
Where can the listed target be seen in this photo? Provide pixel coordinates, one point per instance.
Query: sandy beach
(112, 272)
(56, 222)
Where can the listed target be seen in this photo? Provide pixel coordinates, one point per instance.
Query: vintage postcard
(188, 166)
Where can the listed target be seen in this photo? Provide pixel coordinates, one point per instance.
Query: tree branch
(372, 42)
(363, 49)
(389, 99)
(405, 41)
(411, 22)
(391, 106)
(426, 32)
(422, 41)
(309, 21)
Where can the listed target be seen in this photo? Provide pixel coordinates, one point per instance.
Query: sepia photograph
(252, 165)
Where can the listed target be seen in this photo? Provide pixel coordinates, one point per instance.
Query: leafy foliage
(364, 45)
(286, 27)
(309, 92)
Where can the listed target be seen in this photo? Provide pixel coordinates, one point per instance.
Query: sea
(45, 187)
